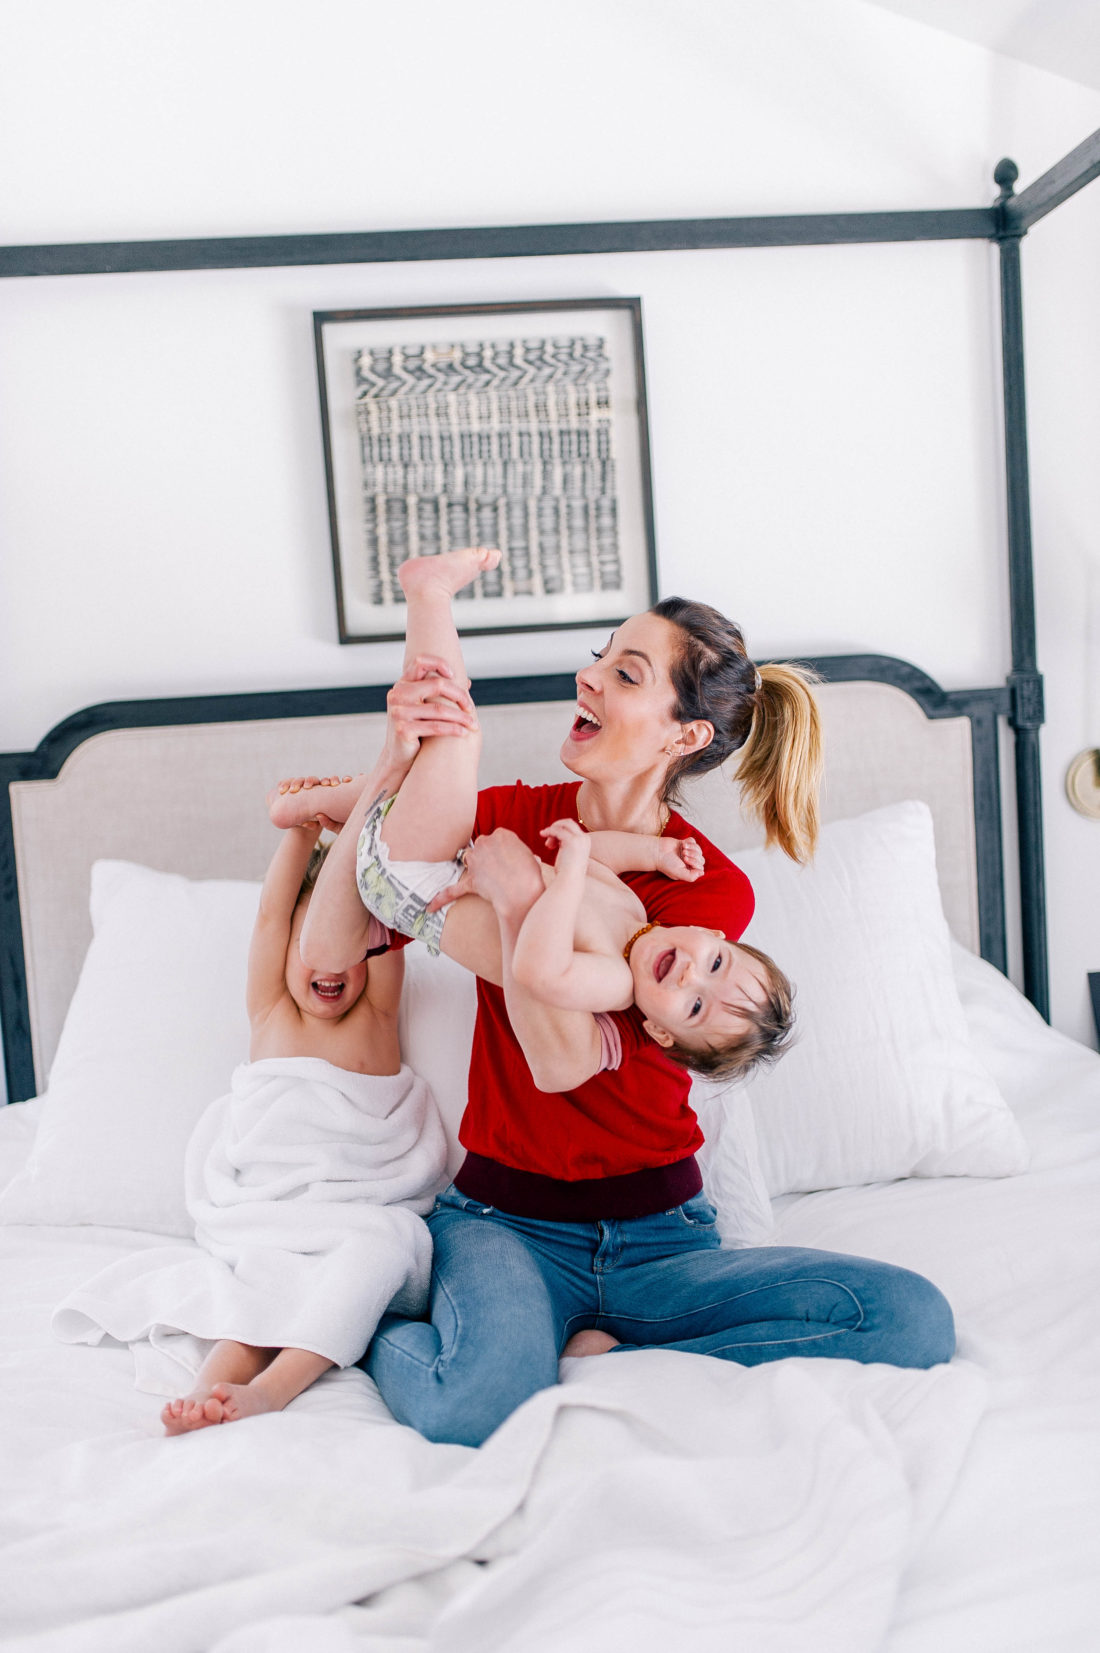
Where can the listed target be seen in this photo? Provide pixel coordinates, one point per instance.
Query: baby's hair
(313, 870)
(767, 1036)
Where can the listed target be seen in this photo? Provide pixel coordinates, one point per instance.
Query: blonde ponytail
(768, 715)
(781, 761)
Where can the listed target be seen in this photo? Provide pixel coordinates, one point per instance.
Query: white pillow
(883, 1081)
(155, 1028)
(730, 1162)
(157, 1025)
(436, 1029)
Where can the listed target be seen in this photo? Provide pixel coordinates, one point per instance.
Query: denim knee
(926, 1329)
(457, 1401)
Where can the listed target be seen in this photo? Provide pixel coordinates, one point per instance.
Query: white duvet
(308, 1186)
(652, 1501)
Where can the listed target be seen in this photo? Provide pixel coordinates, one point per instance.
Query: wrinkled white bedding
(652, 1500)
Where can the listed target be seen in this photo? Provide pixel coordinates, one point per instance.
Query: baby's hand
(573, 843)
(294, 802)
(680, 858)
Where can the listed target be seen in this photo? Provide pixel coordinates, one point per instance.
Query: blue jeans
(508, 1292)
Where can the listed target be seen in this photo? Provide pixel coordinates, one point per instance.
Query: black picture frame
(523, 425)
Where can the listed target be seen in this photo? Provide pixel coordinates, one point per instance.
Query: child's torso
(610, 912)
(362, 1041)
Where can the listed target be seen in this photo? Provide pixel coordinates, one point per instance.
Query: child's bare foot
(590, 1342)
(447, 572)
(244, 1400)
(196, 1411)
(304, 799)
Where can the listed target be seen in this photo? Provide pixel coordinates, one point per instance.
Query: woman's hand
(425, 700)
(501, 868)
(680, 858)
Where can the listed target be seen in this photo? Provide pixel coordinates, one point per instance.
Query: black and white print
(504, 442)
(523, 438)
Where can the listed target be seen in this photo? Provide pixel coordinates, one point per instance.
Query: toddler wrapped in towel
(308, 1183)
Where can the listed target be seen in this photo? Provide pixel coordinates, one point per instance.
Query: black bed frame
(1005, 222)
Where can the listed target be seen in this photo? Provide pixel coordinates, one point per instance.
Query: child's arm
(544, 960)
(563, 1048)
(271, 932)
(336, 931)
(679, 858)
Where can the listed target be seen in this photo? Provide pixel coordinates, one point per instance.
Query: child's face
(693, 986)
(326, 997)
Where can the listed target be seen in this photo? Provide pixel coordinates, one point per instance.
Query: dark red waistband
(592, 1199)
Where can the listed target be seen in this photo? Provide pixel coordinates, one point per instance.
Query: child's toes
(213, 1410)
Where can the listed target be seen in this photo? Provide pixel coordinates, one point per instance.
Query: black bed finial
(1005, 173)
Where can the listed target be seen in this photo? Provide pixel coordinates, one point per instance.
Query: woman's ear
(695, 735)
(659, 1034)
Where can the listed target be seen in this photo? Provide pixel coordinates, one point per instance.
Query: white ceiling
(1060, 35)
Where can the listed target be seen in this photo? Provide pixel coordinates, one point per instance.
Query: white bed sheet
(652, 1500)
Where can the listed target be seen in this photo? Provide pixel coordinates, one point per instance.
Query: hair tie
(759, 680)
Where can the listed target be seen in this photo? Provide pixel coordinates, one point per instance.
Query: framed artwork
(521, 426)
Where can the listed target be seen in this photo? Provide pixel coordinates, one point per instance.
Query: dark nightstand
(1094, 990)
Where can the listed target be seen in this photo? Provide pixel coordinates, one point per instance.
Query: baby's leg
(433, 815)
(227, 1363)
(274, 1387)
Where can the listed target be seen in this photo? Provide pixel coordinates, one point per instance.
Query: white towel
(306, 1184)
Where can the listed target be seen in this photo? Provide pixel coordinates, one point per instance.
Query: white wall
(825, 421)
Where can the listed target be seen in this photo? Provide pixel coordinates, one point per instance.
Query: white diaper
(397, 892)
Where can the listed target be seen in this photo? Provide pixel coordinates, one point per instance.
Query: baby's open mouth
(325, 989)
(663, 964)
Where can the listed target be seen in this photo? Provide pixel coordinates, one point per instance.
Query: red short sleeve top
(635, 1117)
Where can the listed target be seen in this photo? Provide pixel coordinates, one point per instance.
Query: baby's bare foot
(590, 1342)
(243, 1400)
(307, 798)
(196, 1411)
(447, 572)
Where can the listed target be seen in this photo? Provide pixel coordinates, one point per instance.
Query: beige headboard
(196, 806)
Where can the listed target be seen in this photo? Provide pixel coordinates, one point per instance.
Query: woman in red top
(576, 1224)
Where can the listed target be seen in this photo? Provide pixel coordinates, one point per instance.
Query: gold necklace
(665, 816)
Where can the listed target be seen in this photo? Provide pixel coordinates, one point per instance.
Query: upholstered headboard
(178, 785)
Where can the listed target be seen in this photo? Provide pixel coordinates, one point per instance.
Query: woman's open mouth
(326, 989)
(663, 963)
(586, 725)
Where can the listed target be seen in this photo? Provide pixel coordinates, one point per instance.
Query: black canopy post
(1024, 681)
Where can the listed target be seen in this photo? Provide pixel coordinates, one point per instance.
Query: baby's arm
(679, 858)
(545, 961)
(271, 932)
